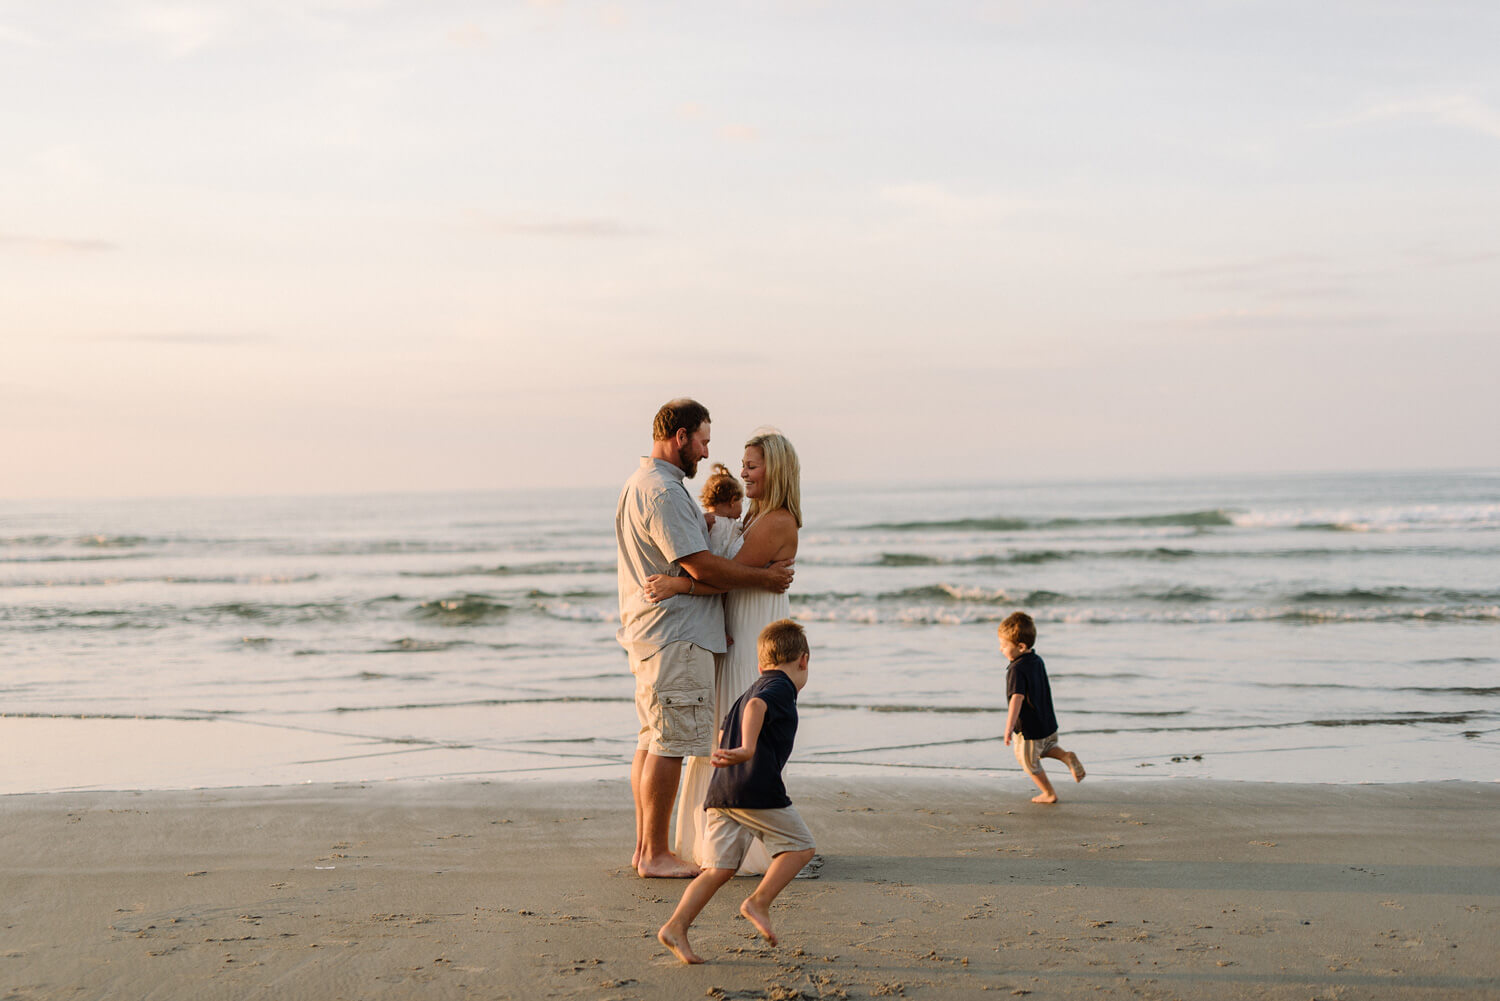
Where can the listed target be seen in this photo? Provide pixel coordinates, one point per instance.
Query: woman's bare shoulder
(781, 515)
(777, 522)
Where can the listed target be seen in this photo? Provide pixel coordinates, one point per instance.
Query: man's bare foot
(677, 941)
(1076, 767)
(667, 866)
(1044, 798)
(759, 917)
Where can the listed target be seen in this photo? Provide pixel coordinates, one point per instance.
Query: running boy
(746, 797)
(1030, 718)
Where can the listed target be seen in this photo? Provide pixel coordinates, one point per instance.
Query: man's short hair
(678, 415)
(782, 642)
(1019, 628)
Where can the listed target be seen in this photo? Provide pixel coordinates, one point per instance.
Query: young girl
(724, 498)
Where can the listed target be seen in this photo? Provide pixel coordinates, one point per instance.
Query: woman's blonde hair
(721, 487)
(783, 484)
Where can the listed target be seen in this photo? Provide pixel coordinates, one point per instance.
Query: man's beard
(689, 466)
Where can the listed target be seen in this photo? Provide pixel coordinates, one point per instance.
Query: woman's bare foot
(667, 866)
(676, 939)
(760, 917)
(1044, 798)
(1075, 766)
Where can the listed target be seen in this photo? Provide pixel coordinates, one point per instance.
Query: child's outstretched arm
(750, 724)
(1013, 716)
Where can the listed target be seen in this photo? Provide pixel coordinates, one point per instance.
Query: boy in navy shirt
(746, 797)
(1030, 718)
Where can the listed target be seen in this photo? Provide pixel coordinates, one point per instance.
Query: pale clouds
(190, 338)
(1269, 318)
(726, 130)
(1286, 276)
(54, 244)
(941, 204)
(15, 36)
(739, 133)
(1459, 111)
(184, 28)
(469, 36)
(577, 228)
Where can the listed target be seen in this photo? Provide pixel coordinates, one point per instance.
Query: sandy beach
(1159, 890)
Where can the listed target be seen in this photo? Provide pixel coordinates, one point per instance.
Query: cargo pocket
(686, 722)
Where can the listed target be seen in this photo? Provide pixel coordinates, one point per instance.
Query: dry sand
(1158, 890)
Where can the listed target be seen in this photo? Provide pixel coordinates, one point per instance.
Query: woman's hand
(659, 587)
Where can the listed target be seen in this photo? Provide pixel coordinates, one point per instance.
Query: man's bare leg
(700, 891)
(1075, 767)
(659, 777)
(637, 766)
(783, 869)
(1049, 795)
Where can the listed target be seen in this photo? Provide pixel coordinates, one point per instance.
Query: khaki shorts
(674, 700)
(1029, 752)
(731, 833)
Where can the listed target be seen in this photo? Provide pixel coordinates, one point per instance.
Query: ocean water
(1340, 628)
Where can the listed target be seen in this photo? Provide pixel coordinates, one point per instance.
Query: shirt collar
(670, 468)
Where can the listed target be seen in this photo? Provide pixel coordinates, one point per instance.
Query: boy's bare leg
(1075, 767)
(1048, 795)
(782, 870)
(658, 789)
(699, 892)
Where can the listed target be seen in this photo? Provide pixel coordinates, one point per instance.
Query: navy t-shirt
(1027, 676)
(756, 784)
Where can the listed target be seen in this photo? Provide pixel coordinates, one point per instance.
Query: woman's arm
(772, 537)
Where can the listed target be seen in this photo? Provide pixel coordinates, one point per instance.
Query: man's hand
(780, 578)
(723, 758)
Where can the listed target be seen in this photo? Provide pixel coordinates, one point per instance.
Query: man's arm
(1014, 715)
(750, 723)
(727, 575)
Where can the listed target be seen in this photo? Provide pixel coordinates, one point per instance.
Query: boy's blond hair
(782, 642)
(1019, 628)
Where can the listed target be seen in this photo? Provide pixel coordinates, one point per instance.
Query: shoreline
(930, 889)
(77, 753)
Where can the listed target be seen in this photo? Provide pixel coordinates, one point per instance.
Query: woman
(773, 485)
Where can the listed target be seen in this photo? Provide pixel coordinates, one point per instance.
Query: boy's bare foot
(1076, 767)
(667, 866)
(1044, 798)
(677, 941)
(760, 917)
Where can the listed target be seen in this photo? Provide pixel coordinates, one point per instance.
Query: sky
(293, 247)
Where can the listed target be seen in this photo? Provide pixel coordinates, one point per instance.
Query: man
(659, 530)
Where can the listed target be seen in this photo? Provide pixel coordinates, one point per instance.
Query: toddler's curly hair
(721, 487)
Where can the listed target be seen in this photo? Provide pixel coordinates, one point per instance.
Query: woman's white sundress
(746, 613)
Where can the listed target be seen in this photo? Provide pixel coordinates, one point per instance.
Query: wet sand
(1177, 889)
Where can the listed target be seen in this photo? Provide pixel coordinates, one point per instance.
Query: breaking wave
(1215, 518)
